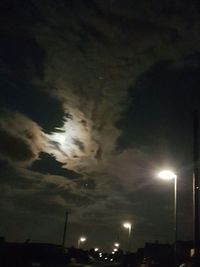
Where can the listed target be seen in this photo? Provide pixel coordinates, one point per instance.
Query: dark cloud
(47, 164)
(77, 199)
(14, 147)
(21, 138)
(11, 178)
(168, 94)
(22, 67)
(39, 106)
(88, 183)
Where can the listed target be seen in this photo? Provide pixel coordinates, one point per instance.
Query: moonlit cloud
(90, 71)
(21, 138)
(77, 146)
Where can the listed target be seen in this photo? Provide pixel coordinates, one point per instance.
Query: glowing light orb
(167, 175)
(127, 225)
(82, 239)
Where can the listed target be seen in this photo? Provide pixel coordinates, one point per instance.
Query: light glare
(167, 175)
(82, 239)
(127, 225)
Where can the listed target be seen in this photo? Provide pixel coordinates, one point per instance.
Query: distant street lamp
(82, 239)
(169, 175)
(128, 225)
(96, 249)
(116, 245)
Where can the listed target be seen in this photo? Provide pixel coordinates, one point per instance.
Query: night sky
(97, 96)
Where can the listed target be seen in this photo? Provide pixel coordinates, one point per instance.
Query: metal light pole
(128, 225)
(175, 219)
(65, 229)
(196, 183)
(169, 175)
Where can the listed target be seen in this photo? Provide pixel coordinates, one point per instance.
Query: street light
(169, 175)
(96, 249)
(81, 240)
(128, 225)
(116, 245)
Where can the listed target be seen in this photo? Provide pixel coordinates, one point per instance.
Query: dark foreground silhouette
(50, 255)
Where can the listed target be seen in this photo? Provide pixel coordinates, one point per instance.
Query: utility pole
(65, 229)
(196, 182)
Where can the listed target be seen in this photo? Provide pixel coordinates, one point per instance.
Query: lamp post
(196, 183)
(169, 175)
(81, 240)
(65, 229)
(128, 225)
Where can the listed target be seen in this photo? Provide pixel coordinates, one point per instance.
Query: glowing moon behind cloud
(73, 144)
(59, 138)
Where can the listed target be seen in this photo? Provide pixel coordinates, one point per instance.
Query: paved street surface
(96, 264)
